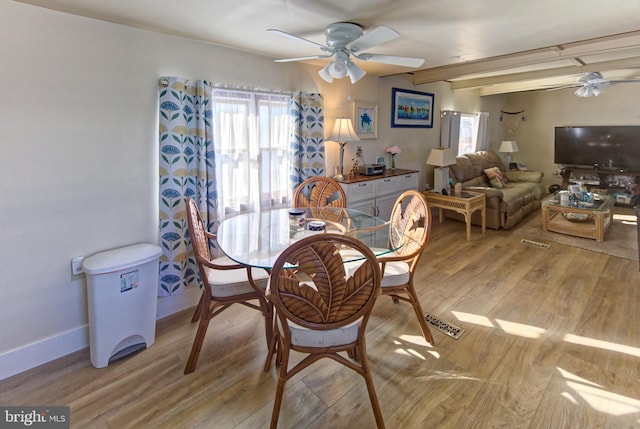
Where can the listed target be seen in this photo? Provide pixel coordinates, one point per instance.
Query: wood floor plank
(552, 340)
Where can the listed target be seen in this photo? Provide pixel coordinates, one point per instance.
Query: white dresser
(376, 195)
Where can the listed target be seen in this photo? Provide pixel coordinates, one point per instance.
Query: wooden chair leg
(417, 308)
(282, 379)
(197, 345)
(198, 310)
(353, 353)
(268, 310)
(373, 397)
(273, 349)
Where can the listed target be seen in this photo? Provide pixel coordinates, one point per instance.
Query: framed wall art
(411, 109)
(365, 119)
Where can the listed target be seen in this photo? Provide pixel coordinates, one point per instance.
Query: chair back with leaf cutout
(410, 224)
(318, 294)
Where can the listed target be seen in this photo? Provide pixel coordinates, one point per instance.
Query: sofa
(511, 194)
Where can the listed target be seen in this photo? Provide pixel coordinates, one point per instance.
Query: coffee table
(465, 203)
(584, 220)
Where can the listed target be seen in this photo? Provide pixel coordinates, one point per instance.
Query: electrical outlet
(76, 265)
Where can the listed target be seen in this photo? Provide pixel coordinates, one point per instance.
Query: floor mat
(445, 327)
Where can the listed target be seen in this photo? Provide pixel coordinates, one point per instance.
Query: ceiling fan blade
(297, 38)
(391, 59)
(574, 85)
(624, 80)
(599, 82)
(375, 37)
(312, 57)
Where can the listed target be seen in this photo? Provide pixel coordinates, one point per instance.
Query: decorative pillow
(496, 177)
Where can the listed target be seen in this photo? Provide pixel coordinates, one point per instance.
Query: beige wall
(78, 127)
(548, 109)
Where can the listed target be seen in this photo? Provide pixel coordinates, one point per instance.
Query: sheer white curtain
(482, 131)
(252, 131)
(450, 129)
(464, 132)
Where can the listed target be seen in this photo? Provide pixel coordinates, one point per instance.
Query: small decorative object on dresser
(393, 150)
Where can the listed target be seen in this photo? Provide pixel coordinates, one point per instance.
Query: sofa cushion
(495, 177)
(523, 176)
(472, 165)
(462, 170)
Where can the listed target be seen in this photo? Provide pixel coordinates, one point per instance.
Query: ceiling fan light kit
(343, 41)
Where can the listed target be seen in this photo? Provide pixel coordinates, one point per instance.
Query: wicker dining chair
(409, 233)
(318, 193)
(322, 311)
(225, 283)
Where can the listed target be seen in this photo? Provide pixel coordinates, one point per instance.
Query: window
(251, 139)
(467, 139)
(463, 132)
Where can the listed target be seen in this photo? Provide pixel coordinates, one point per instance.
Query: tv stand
(604, 175)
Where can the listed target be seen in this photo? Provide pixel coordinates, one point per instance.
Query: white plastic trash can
(122, 299)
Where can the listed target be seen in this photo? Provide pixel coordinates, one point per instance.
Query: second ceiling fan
(346, 40)
(593, 83)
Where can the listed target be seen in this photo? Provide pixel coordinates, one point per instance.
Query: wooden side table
(465, 203)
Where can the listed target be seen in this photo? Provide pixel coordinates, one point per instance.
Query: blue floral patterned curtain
(307, 144)
(187, 169)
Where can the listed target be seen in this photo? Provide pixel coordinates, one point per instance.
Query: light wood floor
(552, 341)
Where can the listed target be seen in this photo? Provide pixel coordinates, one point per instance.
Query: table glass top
(601, 202)
(257, 239)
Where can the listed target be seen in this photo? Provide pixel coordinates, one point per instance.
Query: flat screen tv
(606, 147)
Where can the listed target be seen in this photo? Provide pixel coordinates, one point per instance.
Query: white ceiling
(496, 45)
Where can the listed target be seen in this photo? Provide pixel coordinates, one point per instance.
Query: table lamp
(342, 133)
(508, 147)
(441, 157)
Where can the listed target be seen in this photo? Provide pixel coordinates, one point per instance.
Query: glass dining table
(256, 239)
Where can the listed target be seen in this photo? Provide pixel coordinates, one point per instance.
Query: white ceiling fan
(592, 84)
(346, 40)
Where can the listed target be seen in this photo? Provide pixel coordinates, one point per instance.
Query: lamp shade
(343, 131)
(441, 156)
(508, 146)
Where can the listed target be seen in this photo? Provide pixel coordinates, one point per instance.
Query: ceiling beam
(633, 62)
(568, 51)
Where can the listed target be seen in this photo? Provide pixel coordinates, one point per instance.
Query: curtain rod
(164, 82)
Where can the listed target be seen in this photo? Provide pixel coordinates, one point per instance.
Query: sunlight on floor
(598, 398)
(530, 331)
(605, 345)
(520, 329)
(626, 219)
(473, 318)
(405, 343)
(580, 389)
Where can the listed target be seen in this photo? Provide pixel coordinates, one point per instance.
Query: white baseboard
(168, 305)
(32, 355)
(35, 354)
